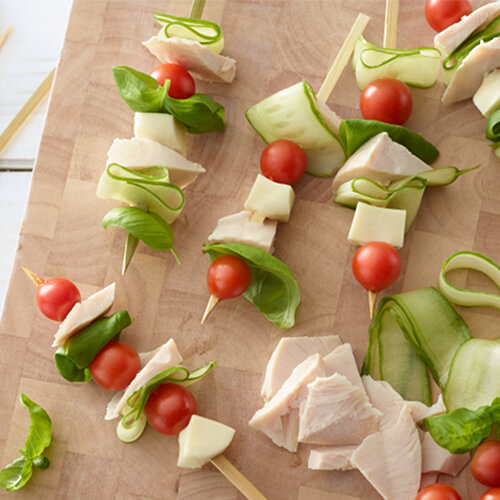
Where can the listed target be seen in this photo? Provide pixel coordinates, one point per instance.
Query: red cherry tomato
(443, 13)
(386, 100)
(438, 491)
(115, 366)
(181, 82)
(376, 265)
(493, 494)
(485, 465)
(283, 161)
(56, 297)
(169, 408)
(228, 276)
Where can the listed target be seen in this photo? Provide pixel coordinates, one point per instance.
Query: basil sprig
(199, 113)
(75, 355)
(354, 133)
(463, 430)
(145, 226)
(15, 475)
(273, 289)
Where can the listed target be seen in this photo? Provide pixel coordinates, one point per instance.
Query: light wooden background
(276, 44)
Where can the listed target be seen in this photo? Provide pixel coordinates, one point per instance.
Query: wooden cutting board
(276, 43)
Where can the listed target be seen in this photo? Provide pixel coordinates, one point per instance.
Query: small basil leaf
(15, 475)
(76, 354)
(354, 133)
(199, 113)
(40, 431)
(273, 289)
(495, 411)
(461, 430)
(146, 226)
(140, 91)
(493, 127)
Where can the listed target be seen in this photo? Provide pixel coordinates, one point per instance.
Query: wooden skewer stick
(32, 276)
(197, 9)
(391, 24)
(372, 297)
(342, 58)
(24, 113)
(5, 34)
(232, 474)
(212, 302)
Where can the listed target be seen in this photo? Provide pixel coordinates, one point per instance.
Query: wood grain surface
(276, 43)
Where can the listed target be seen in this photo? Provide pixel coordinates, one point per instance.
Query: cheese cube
(202, 440)
(238, 228)
(377, 224)
(487, 97)
(162, 128)
(270, 199)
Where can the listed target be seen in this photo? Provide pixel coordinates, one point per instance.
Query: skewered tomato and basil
(181, 85)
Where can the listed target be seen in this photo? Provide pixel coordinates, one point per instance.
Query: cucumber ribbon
(133, 423)
(204, 32)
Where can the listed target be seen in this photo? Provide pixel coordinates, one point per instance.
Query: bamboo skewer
(212, 302)
(24, 113)
(5, 34)
(391, 24)
(372, 297)
(342, 58)
(233, 475)
(197, 9)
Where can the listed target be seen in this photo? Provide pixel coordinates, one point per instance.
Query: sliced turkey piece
(139, 153)
(382, 160)
(469, 75)
(200, 61)
(166, 357)
(336, 413)
(83, 313)
(331, 458)
(437, 459)
(238, 228)
(290, 352)
(449, 39)
(341, 360)
(391, 459)
(269, 418)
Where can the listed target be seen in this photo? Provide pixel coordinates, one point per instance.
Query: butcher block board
(276, 44)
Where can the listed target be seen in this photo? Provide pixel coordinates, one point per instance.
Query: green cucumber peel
(462, 430)
(493, 127)
(417, 67)
(454, 60)
(199, 113)
(148, 188)
(15, 475)
(474, 261)
(202, 31)
(132, 424)
(75, 355)
(420, 330)
(273, 289)
(355, 132)
(145, 226)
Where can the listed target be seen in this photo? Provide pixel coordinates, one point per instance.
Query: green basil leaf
(461, 430)
(493, 127)
(354, 133)
(199, 113)
(495, 411)
(15, 475)
(75, 355)
(40, 431)
(273, 289)
(140, 91)
(146, 226)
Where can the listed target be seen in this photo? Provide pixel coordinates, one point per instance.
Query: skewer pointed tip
(212, 302)
(32, 276)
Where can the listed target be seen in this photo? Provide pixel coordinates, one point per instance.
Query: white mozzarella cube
(270, 199)
(238, 228)
(162, 128)
(202, 440)
(377, 224)
(487, 97)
